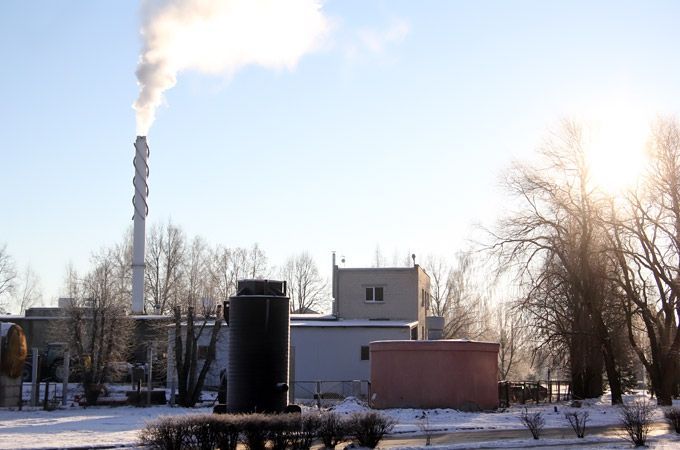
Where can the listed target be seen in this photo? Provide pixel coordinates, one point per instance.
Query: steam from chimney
(219, 37)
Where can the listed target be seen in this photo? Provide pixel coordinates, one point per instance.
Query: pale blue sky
(399, 145)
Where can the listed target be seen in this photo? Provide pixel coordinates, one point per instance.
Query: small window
(365, 353)
(378, 294)
(374, 294)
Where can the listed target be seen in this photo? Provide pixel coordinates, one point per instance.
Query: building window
(424, 298)
(374, 294)
(365, 353)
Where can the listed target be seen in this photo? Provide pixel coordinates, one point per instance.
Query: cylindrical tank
(13, 352)
(13, 349)
(259, 329)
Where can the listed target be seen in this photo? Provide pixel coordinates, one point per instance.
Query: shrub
(282, 428)
(255, 430)
(306, 430)
(424, 426)
(636, 421)
(164, 433)
(369, 428)
(332, 429)
(533, 421)
(228, 431)
(578, 420)
(672, 416)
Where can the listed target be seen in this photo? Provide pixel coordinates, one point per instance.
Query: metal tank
(13, 353)
(259, 330)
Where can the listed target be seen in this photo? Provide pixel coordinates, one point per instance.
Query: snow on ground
(75, 426)
(600, 412)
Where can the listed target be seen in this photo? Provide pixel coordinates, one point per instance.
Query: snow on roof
(366, 323)
(312, 317)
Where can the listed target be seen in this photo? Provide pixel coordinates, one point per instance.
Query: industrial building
(369, 304)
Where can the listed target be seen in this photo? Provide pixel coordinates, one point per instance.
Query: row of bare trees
(183, 272)
(598, 274)
(464, 294)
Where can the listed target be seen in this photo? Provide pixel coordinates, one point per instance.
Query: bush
(255, 431)
(533, 421)
(672, 416)
(636, 421)
(228, 432)
(165, 433)
(369, 428)
(262, 432)
(306, 430)
(332, 429)
(195, 431)
(578, 420)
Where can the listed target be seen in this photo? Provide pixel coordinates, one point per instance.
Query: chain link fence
(328, 393)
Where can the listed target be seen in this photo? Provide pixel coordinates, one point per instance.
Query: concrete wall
(38, 329)
(423, 301)
(334, 353)
(434, 374)
(402, 293)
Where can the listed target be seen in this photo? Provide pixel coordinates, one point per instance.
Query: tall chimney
(141, 163)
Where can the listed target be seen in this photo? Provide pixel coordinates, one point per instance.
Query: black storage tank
(259, 329)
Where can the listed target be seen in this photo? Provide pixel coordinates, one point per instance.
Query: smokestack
(141, 163)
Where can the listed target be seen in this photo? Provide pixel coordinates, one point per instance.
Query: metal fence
(326, 393)
(523, 392)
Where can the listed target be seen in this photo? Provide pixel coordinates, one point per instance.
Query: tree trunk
(613, 374)
(586, 369)
(585, 357)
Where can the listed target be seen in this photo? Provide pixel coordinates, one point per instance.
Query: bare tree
(646, 250)
(226, 266)
(555, 246)
(257, 262)
(7, 276)
(459, 296)
(221, 278)
(121, 254)
(439, 271)
(378, 257)
(98, 330)
(28, 292)
(196, 280)
(511, 337)
(306, 288)
(164, 257)
(190, 379)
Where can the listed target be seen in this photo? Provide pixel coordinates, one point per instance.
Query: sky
(393, 131)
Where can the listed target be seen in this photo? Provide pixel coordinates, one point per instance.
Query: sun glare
(616, 151)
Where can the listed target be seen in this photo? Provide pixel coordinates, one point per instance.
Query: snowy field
(75, 426)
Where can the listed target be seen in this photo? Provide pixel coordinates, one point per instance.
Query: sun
(616, 150)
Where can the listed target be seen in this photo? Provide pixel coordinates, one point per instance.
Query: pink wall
(434, 374)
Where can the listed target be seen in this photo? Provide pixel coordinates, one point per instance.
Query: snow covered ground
(74, 426)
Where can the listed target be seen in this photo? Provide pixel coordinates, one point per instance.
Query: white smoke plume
(219, 37)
